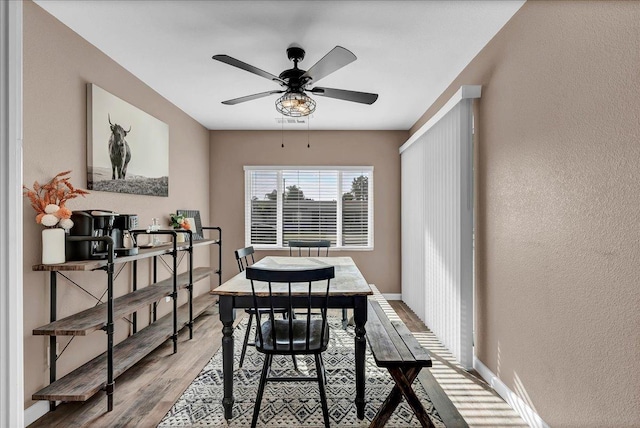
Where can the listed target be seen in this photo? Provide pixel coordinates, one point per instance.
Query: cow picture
(119, 151)
(115, 128)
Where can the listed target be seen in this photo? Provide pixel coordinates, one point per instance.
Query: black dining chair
(243, 255)
(321, 248)
(308, 335)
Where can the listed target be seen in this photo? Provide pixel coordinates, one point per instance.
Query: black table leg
(227, 317)
(360, 318)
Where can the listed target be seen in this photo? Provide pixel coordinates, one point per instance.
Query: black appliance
(93, 223)
(124, 243)
(101, 223)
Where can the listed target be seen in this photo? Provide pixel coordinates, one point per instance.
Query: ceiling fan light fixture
(295, 104)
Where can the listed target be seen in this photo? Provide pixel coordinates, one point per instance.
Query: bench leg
(391, 402)
(403, 379)
(409, 394)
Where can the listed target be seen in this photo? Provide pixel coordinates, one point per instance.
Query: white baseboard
(392, 296)
(35, 412)
(518, 404)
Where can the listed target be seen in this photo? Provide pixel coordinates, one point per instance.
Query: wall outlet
(167, 299)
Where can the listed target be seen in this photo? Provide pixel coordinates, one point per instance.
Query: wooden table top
(347, 282)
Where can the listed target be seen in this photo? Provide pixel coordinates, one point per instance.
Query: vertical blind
(293, 203)
(437, 228)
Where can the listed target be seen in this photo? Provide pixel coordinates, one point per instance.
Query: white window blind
(311, 203)
(263, 207)
(355, 207)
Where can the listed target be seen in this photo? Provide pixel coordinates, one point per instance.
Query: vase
(53, 242)
(180, 237)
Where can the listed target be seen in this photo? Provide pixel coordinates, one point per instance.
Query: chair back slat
(309, 318)
(290, 277)
(272, 315)
(256, 306)
(317, 246)
(290, 319)
(242, 257)
(325, 308)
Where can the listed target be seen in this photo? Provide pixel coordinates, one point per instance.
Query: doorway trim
(11, 261)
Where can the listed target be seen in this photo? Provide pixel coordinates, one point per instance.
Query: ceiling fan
(295, 82)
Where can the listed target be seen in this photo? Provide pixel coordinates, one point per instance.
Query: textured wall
(231, 150)
(57, 66)
(558, 193)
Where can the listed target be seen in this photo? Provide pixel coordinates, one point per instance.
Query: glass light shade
(295, 104)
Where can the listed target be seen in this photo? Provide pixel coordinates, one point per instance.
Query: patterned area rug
(292, 404)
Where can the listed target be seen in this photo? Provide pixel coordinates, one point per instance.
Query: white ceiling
(408, 52)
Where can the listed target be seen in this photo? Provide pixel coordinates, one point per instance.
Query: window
(287, 203)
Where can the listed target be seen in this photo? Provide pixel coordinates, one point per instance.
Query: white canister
(53, 241)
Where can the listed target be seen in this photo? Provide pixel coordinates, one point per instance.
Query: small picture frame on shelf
(193, 216)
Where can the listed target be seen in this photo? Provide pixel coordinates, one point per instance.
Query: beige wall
(57, 66)
(232, 150)
(558, 190)
(558, 194)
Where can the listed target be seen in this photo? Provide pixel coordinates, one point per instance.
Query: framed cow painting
(127, 149)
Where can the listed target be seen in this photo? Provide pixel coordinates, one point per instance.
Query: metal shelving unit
(100, 373)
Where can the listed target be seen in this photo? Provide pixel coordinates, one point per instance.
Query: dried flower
(49, 220)
(51, 209)
(49, 200)
(66, 223)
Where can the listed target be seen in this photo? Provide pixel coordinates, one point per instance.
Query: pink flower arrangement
(48, 200)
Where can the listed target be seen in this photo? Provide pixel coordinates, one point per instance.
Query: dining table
(348, 290)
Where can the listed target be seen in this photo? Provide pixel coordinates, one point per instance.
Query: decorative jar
(53, 243)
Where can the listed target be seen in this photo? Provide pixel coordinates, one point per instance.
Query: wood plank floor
(146, 392)
(475, 400)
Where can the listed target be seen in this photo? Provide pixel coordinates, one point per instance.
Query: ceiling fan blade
(250, 97)
(246, 67)
(337, 58)
(341, 94)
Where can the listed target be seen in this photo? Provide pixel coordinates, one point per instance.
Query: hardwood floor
(146, 392)
(475, 400)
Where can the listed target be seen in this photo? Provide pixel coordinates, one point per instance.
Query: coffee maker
(123, 242)
(93, 223)
(101, 223)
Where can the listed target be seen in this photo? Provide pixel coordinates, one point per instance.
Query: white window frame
(339, 170)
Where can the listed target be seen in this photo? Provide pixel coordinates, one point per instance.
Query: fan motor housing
(295, 53)
(293, 78)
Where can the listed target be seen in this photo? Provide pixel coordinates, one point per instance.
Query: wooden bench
(394, 347)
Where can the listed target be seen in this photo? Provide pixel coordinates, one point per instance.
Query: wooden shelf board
(143, 253)
(92, 319)
(85, 381)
